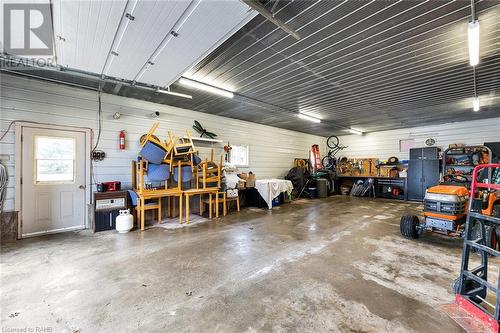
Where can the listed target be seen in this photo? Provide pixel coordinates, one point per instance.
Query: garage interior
(250, 165)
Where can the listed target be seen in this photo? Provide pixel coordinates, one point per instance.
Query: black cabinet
(423, 171)
(105, 220)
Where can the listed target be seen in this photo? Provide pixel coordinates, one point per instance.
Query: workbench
(379, 184)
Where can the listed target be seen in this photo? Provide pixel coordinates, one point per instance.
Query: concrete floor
(330, 265)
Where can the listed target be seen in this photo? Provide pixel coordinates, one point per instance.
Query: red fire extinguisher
(122, 139)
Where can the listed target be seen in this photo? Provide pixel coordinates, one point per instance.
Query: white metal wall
(385, 144)
(272, 150)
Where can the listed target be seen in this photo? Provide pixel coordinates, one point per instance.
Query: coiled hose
(4, 178)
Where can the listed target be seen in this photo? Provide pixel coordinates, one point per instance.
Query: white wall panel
(386, 144)
(87, 29)
(207, 27)
(272, 150)
(153, 20)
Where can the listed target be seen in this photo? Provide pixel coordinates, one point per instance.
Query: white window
(54, 159)
(239, 155)
(406, 144)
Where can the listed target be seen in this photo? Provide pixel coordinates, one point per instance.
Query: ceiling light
(473, 32)
(475, 104)
(174, 93)
(117, 115)
(306, 117)
(206, 87)
(355, 131)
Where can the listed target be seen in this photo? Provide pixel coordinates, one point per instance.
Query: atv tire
(408, 226)
(490, 235)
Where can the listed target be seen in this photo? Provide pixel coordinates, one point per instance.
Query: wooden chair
(215, 200)
(152, 205)
(182, 146)
(235, 199)
(209, 173)
(152, 148)
(213, 205)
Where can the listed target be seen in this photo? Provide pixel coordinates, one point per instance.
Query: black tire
(490, 235)
(408, 226)
(332, 142)
(496, 209)
(328, 162)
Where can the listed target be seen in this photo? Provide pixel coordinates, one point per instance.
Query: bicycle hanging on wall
(329, 161)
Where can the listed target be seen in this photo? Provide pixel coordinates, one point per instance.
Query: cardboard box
(250, 180)
(241, 184)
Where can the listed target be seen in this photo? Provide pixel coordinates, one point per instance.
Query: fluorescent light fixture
(174, 93)
(309, 118)
(475, 104)
(473, 32)
(206, 87)
(355, 131)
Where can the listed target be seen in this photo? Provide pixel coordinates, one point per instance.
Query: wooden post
(210, 205)
(180, 210)
(217, 205)
(187, 208)
(160, 201)
(142, 213)
(225, 203)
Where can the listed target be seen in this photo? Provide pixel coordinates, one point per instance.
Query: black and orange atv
(445, 212)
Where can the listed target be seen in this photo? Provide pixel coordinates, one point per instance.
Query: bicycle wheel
(328, 162)
(332, 142)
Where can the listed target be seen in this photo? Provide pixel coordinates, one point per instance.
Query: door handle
(81, 187)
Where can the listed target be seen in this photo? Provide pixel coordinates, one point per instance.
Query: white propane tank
(124, 221)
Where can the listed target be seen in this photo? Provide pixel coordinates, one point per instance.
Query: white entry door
(53, 180)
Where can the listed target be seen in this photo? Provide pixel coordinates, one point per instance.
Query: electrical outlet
(98, 155)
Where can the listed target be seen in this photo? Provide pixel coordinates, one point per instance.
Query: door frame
(19, 160)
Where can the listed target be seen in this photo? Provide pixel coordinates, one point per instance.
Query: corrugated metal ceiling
(372, 65)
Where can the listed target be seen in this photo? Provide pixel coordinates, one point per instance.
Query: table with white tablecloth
(272, 188)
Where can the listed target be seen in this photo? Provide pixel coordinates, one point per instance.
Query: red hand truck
(473, 310)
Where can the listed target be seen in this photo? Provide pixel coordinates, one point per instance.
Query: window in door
(54, 159)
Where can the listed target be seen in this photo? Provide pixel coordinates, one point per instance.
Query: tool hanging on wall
(227, 150)
(4, 179)
(316, 158)
(122, 139)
